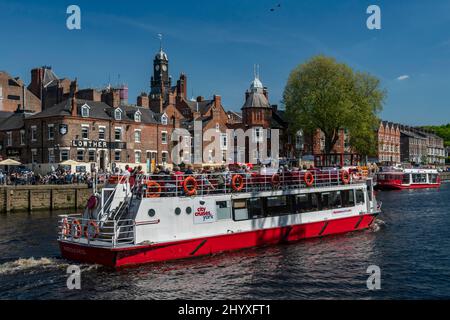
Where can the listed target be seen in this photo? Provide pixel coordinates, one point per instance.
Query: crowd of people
(58, 176)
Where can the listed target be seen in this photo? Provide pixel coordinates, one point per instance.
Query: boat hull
(396, 186)
(135, 255)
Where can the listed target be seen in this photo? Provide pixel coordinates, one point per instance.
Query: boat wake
(21, 265)
(377, 225)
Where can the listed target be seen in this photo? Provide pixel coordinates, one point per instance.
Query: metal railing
(111, 233)
(182, 185)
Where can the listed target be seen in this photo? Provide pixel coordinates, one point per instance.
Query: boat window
(276, 206)
(419, 178)
(433, 178)
(223, 210)
(406, 179)
(302, 203)
(240, 210)
(348, 198)
(359, 196)
(255, 209)
(306, 202)
(325, 200)
(335, 199)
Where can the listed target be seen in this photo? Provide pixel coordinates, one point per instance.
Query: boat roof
(421, 171)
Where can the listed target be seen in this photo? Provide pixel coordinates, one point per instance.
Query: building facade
(95, 135)
(389, 138)
(15, 96)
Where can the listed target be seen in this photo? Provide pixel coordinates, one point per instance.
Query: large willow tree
(327, 95)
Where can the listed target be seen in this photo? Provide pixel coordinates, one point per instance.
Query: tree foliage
(327, 95)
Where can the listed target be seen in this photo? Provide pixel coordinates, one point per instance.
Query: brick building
(15, 96)
(93, 133)
(388, 137)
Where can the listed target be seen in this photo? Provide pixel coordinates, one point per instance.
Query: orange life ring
(78, 231)
(96, 229)
(65, 227)
(237, 183)
(153, 189)
(309, 179)
(276, 180)
(190, 186)
(345, 176)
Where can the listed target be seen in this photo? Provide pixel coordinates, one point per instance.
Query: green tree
(327, 95)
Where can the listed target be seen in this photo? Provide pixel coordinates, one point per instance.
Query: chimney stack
(73, 98)
(217, 101)
(73, 109)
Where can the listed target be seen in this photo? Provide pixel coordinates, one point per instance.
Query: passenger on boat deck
(189, 170)
(127, 172)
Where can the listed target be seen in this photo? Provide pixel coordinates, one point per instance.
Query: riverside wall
(43, 197)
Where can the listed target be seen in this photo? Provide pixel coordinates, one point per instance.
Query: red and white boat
(408, 179)
(158, 218)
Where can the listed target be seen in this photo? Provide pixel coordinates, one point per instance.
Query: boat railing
(74, 228)
(187, 185)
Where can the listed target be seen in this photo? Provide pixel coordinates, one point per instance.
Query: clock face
(157, 67)
(164, 68)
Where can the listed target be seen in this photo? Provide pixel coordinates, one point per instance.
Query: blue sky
(217, 42)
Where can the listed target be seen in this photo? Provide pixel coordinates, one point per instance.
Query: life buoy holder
(345, 176)
(237, 183)
(94, 225)
(153, 189)
(276, 180)
(65, 227)
(309, 179)
(190, 186)
(92, 202)
(76, 228)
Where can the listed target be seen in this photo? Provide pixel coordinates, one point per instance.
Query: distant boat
(408, 179)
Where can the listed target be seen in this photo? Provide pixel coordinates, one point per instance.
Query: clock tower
(160, 82)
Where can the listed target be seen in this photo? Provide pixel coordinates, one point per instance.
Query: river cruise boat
(144, 219)
(408, 179)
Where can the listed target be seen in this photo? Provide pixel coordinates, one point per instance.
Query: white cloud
(404, 77)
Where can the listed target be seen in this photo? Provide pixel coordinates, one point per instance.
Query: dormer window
(118, 114)
(164, 119)
(85, 111)
(137, 116)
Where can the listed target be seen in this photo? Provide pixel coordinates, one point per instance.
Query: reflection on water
(410, 242)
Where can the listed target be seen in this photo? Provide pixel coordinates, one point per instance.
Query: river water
(410, 243)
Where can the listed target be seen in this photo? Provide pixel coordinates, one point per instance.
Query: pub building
(94, 134)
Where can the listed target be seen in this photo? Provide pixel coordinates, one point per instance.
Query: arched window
(118, 114)
(85, 111)
(137, 116)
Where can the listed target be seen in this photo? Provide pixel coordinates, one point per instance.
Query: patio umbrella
(69, 163)
(9, 162)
